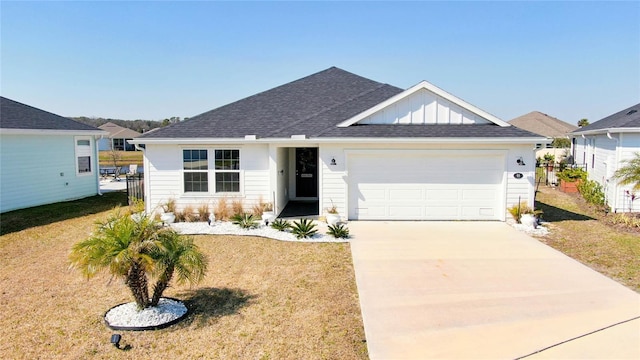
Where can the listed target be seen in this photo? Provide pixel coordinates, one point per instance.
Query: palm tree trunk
(161, 286)
(137, 282)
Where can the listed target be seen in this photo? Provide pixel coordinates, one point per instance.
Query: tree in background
(561, 143)
(583, 122)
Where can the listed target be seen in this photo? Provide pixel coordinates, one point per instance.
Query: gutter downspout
(97, 157)
(617, 158)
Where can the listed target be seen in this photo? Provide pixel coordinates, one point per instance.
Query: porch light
(520, 161)
(333, 161)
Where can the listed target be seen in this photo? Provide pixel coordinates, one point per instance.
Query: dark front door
(306, 172)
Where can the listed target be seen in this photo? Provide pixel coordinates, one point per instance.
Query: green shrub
(303, 228)
(570, 175)
(338, 231)
(592, 192)
(245, 220)
(280, 224)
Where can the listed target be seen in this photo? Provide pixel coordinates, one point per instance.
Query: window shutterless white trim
(211, 173)
(83, 153)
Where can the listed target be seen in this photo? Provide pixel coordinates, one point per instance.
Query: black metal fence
(135, 187)
(549, 173)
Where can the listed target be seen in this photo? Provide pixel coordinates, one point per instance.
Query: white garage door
(426, 186)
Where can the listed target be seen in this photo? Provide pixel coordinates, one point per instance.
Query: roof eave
(53, 132)
(438, 140)
(607, 130)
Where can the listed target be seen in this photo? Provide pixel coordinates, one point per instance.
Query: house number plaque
(517, 175)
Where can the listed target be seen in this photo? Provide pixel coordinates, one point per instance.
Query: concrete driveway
(478, 290)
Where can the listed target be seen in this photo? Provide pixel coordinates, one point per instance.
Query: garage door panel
(426, 187)
(408, 195)
(479, 194)
(405, 212)
(442, 194)
(441, 212)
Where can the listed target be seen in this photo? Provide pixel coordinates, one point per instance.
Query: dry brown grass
(237, 207)
(222, 211)
(125, 158)
(261, 299)
(583, 234)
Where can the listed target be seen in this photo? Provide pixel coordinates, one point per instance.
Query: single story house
(372, 150)
(117, 138)
(603, 146)
(44, 158)
(547, 126)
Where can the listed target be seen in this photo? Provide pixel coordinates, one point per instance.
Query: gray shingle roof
(627, 118)
(543, 124)
(313, 106)
(15, 115)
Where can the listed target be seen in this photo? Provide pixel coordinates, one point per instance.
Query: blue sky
(153, 60)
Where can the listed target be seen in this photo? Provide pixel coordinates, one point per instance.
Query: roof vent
(632, 112)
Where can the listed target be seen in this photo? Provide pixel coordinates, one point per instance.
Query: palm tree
(177, 253)
(629, 174)
(135, 249)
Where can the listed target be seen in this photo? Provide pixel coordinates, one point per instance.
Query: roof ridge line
(326, 109)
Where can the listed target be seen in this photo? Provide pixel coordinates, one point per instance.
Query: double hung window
(226, 170)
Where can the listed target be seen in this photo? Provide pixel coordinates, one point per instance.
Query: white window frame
(83, 151)
(211, 173)
(206, 171)
(239, 171)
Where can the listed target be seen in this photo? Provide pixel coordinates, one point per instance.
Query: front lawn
(579, 232)
(261, 298)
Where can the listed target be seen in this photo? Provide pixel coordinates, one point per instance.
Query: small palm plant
(303, 228)
(338, 231)
(245, 220)
(280, 224)
(134, 250)
(629, 174)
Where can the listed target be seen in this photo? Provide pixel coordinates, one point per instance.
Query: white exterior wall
(334, 180)
(629, 145)
(424, 107)
(41, 169)
(164, 176)
(608, 155)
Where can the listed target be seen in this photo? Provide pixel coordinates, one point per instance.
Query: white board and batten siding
(425, 183)
(424, 107)
(42, 169)
(165, 176)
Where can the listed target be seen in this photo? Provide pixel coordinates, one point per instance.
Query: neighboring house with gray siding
(603, 146)
(44, 158)
(375, 151)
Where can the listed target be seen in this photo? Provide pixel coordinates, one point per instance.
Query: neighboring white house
(603, 145)
(44, 158)
(117, 138)
(374, 151)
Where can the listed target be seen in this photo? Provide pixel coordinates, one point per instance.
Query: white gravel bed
(539, 231)
(128, 315)
(227, 228)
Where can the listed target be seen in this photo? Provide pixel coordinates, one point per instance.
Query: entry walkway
(479, 290)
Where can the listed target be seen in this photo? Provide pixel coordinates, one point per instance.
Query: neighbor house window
(227, 170)
(83, 155)
(118, 144)
(195, 165)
